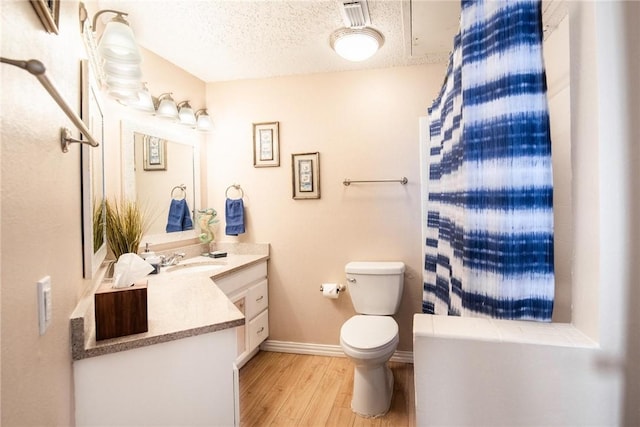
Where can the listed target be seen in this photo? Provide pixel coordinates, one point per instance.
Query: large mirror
(93, 189)
(160, 163)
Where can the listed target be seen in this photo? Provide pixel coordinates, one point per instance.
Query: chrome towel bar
(347, 182)
(38, 69)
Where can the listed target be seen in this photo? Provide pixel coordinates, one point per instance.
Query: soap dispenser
(147, 254)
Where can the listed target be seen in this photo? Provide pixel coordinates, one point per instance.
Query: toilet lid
(368, 332)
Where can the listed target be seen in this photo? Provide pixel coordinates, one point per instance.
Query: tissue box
(121, 311)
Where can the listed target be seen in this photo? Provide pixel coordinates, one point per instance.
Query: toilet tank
(375, 287)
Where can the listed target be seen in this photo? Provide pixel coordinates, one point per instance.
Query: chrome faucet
(173, 259)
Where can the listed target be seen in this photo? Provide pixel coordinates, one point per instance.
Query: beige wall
(40, 210)
(556, 55)
(618, 67)
(585, 168)
(41, 226)
(631, 32)
(365, 126)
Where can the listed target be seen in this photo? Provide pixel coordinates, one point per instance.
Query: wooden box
(121, 311)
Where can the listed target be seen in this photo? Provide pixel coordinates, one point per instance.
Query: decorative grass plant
(126, 224)
(98, 224)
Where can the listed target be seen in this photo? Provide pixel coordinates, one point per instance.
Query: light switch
(44, 303)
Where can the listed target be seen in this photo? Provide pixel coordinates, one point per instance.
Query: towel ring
(182, 188)
(237, 187)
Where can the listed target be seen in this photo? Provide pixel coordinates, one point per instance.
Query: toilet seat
(369, 333)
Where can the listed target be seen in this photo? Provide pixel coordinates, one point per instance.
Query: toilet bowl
(369, 341)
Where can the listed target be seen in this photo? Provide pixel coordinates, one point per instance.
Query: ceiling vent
(355, 13)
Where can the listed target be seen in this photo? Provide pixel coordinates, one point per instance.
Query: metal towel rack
(181, 187)
(237, 187)
(38, 69)
(347, 182)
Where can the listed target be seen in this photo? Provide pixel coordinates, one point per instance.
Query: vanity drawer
(258, 329)
(257, 299)
(238, 280)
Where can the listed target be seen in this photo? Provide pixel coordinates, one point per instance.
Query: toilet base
(372, 390)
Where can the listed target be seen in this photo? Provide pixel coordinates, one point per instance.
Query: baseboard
(323, 350)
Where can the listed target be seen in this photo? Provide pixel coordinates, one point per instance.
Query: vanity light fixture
(167, 108)
(123, 71)
(117, 44)
(116, 56)
(185, 112)
(356, 44)
(144, 100)
(204, 122)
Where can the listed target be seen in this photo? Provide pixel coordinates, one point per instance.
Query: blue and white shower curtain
(489, 231)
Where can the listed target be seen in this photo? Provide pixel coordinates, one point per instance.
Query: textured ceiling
(219, 40)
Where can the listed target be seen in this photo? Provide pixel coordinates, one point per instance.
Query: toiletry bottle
(147, 254)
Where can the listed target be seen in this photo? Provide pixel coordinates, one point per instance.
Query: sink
(196, 267)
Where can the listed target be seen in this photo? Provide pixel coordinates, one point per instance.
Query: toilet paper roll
(330, 290)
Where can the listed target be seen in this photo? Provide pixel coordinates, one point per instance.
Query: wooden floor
(282, 389)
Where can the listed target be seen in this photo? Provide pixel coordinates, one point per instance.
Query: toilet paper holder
(341, 288)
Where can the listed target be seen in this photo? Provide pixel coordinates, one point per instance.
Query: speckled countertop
(182, 302)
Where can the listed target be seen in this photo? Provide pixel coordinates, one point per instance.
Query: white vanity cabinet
(249, 291)
(188, 381)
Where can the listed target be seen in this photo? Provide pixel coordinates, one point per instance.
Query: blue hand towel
(187, 224)
(234, 217)
(179, 218)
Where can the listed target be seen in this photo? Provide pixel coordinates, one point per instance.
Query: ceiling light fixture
(356, 44)
(357, 41)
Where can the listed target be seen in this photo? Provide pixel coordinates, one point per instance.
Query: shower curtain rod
(347, 182)
(38, 69)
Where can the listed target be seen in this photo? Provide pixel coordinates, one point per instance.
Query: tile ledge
(501, 331)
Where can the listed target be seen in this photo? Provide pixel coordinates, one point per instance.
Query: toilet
(370, 337)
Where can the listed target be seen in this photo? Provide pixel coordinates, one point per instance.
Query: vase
(206, 222)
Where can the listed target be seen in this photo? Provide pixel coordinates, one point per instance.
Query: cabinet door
(258, 330)
(257, 299)
(241, 304)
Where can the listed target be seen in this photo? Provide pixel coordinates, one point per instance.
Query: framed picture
(49, 12)
(305, 169)
(266, 145)
(154, 153)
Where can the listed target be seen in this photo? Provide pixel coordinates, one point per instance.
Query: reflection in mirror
(93, 208)
(163, 171)
(157, 157)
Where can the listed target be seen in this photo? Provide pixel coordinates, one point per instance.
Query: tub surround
(475, 371)
(179, 305)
